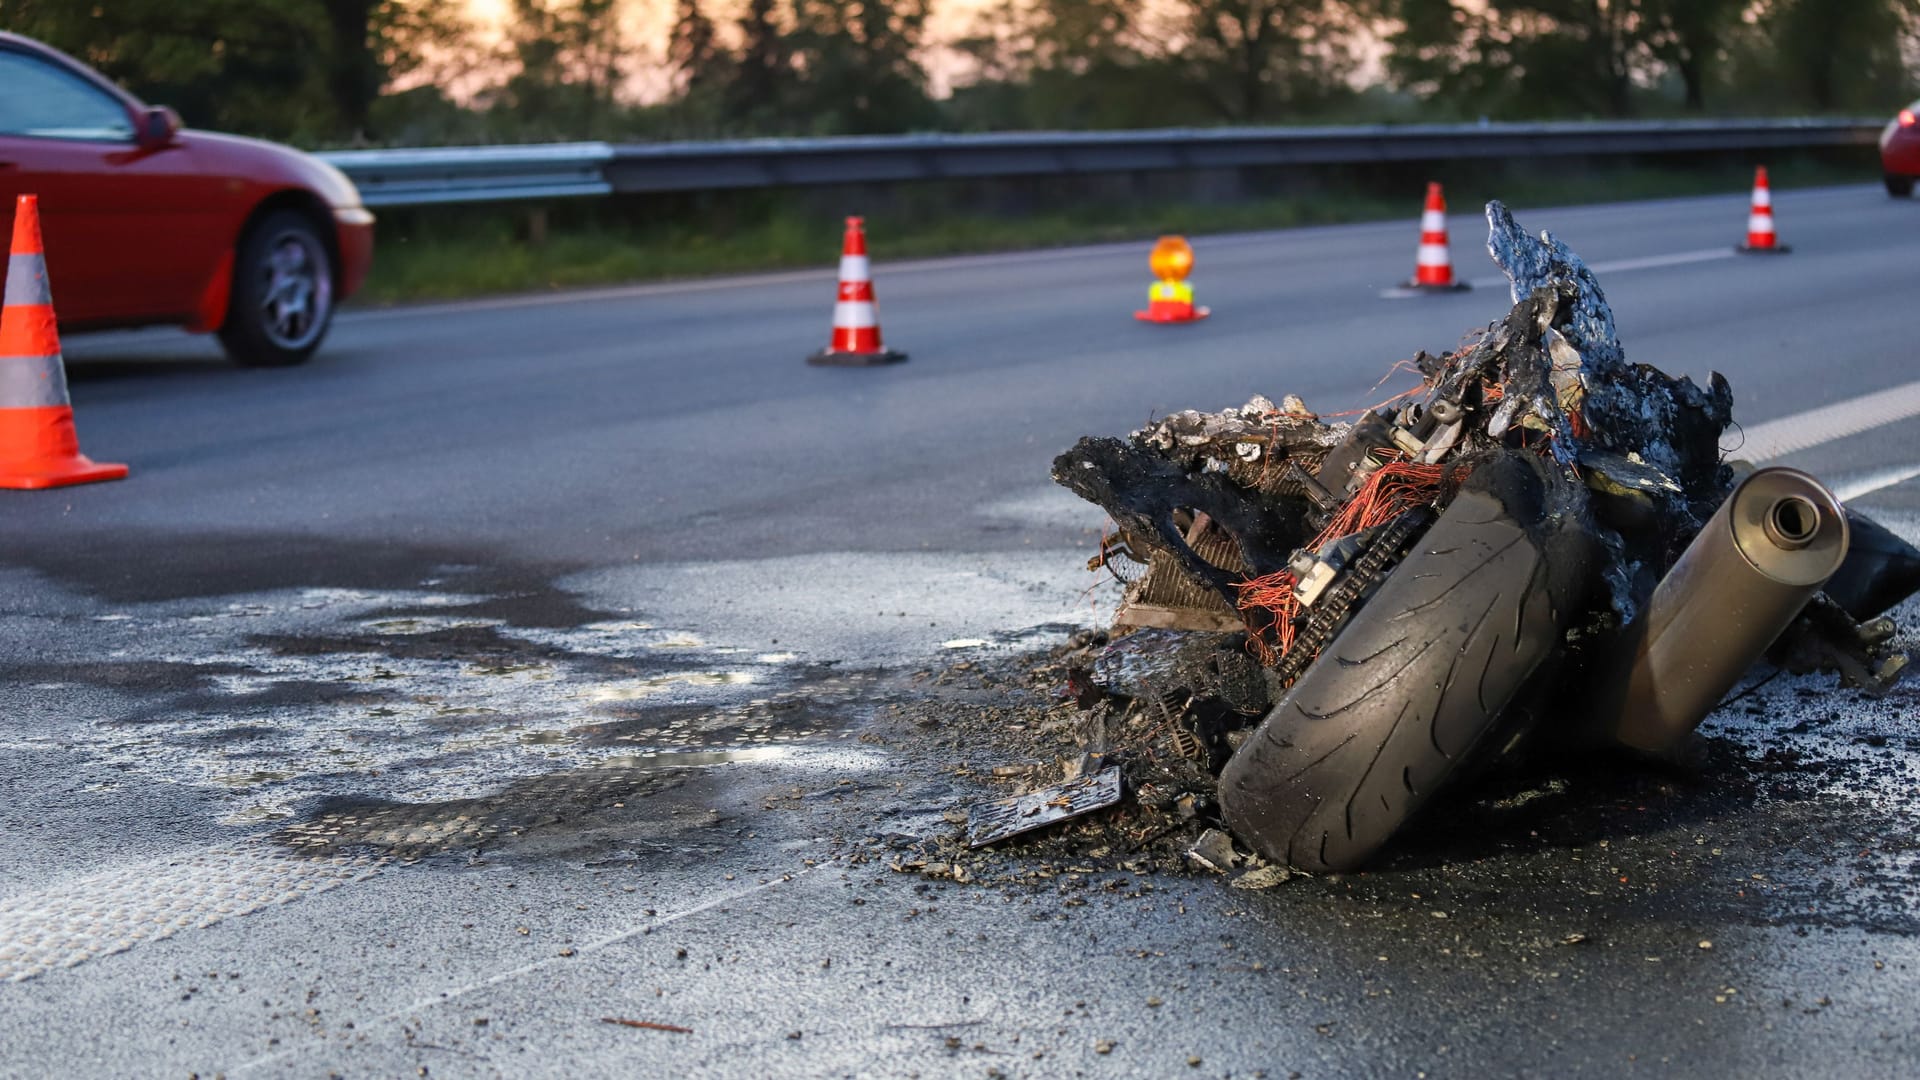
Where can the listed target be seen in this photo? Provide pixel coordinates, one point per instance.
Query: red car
(148, 224)
(1900, 152)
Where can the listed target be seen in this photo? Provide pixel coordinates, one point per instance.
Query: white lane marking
(594, 946)
(1790, 434)
(1652, 262)
(111, 912)
(1868, 483)
(1623, 266)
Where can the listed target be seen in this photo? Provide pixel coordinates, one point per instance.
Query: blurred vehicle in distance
(1900, 151)
(148, 224)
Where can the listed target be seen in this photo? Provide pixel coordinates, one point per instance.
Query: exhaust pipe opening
(1792, 522)
(1770, 546)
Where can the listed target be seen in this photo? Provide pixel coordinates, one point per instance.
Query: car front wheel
(282, 293)
(1899, 186)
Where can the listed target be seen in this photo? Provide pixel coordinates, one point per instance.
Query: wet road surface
(527, 664)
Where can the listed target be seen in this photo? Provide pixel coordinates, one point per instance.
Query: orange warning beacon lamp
(1170, 299)
(1172, 258)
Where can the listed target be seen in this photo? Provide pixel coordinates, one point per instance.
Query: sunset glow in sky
(648, 22)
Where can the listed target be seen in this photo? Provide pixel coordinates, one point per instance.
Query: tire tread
(1416, 682)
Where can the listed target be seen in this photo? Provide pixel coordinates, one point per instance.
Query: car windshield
(42, 101)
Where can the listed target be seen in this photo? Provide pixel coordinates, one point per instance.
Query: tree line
(340, 72)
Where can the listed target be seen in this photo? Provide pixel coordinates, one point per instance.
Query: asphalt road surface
(526, 663)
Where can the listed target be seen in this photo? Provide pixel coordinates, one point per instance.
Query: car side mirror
(156, 128)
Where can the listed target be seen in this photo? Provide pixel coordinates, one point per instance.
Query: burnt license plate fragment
(994, 821)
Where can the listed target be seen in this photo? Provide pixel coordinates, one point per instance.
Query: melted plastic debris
(1546, 263)
(995, 821)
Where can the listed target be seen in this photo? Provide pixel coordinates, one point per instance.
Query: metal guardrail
(500, 173)
(459, 174)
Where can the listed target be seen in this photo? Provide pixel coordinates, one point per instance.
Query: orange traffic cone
(856, 319)
(1170, 297)
(1761, 239)
(38, 447)
(1433, 266)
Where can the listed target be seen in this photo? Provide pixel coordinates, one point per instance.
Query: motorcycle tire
(1408, 694)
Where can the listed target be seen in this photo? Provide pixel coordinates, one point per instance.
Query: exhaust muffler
(1772, 544)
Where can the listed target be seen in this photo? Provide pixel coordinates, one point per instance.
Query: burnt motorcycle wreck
(1540, 546)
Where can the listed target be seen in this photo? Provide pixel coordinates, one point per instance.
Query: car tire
(1407, 697)
(1899, 187)
(282, 299)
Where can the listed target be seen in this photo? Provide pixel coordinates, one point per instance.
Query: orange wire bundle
(1394, 488)
(1273, 594)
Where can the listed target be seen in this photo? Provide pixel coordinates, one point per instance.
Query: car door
(119, 218)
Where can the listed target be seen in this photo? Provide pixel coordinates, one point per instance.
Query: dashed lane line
(1829, 423)
(1877, 480)
(1626, 266)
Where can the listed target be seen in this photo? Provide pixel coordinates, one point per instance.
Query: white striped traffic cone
(1761, 239)
(38, 447)
(1433, 266)
(856, 319)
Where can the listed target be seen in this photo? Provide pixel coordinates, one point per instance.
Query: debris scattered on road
(649, 1025)
(1002, 818)
(1213, 851)
(1264, 877)
(1327, 622)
